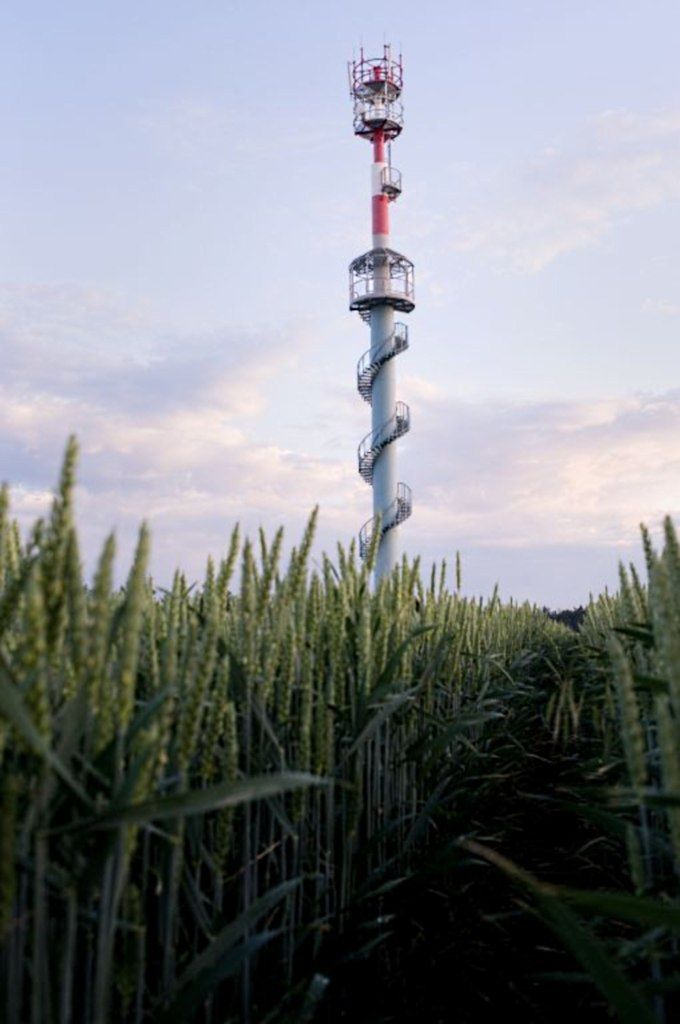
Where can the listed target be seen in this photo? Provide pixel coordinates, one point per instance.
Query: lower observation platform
(381, 277)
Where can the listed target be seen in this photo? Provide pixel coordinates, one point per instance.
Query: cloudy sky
(181, 192)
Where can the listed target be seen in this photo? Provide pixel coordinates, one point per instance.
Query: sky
(181, 194)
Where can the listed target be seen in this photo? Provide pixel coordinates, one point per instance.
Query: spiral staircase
(376, 440)
(400, 509)
(369, 366)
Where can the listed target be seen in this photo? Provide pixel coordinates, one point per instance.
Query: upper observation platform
(375, 85)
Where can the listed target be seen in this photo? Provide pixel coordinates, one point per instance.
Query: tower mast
(380, 284)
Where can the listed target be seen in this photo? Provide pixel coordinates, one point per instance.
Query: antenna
(381, 284)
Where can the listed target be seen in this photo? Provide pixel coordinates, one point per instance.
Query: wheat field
(217, 797)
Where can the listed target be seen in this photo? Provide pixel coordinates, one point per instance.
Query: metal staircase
(368, 367)
(374, 442)
(399, 510)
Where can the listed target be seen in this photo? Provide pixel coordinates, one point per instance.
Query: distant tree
(570, 617)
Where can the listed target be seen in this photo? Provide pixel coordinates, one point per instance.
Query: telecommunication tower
(380, 284)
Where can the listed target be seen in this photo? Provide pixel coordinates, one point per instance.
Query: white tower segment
(380, 283)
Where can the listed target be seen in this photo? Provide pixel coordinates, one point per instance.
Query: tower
(380, 284)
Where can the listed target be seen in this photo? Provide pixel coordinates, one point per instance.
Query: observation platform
(375, 85)
(381, 277)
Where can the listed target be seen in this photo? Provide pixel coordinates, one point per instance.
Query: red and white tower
(380, 283)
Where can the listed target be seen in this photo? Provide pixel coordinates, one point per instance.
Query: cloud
(87, 345)
(661, 307)
(175, 428)
(529, 474)
(570, 197)
(168, 435)
(215, 139)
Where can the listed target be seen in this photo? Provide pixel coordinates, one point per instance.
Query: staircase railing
(369, 365)
(374, 442)
(400, 509)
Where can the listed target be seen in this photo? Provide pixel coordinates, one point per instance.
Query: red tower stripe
(379, 147)
(381, 219)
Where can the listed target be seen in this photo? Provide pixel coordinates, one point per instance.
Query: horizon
(182, 196)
